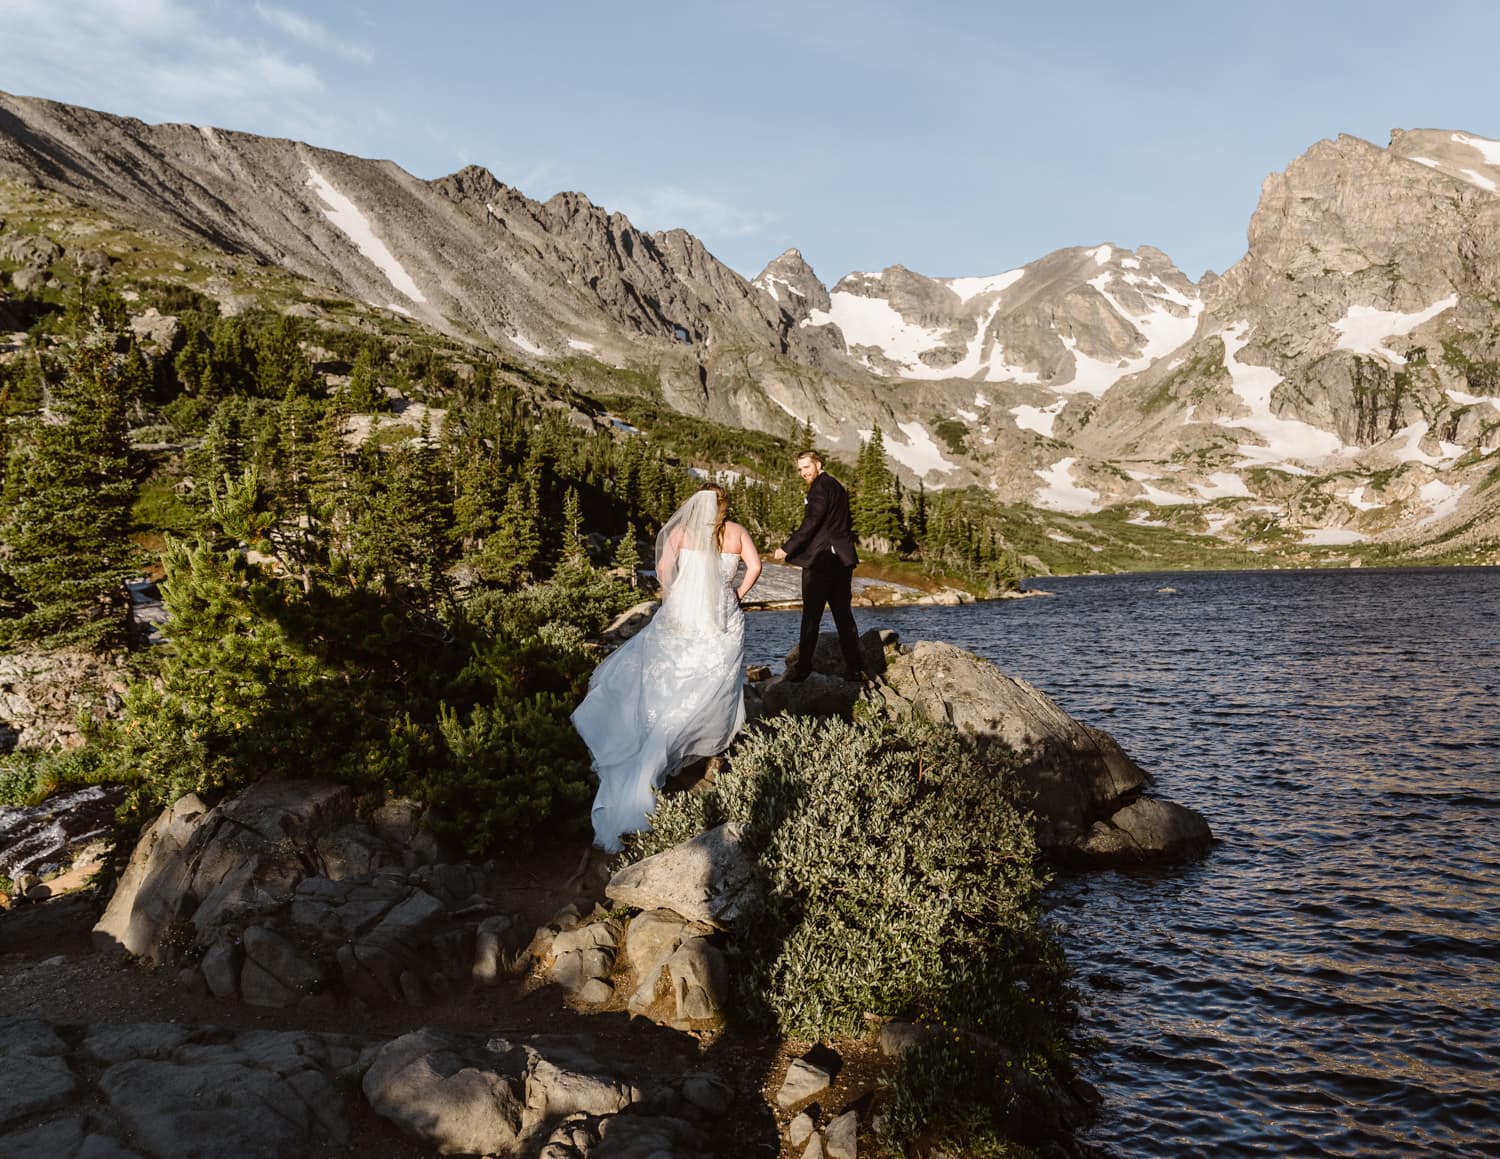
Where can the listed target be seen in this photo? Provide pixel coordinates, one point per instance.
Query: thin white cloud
(295, 25)
(159, 60)
(672, 207)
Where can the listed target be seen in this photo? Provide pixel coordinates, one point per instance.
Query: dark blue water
(1327, 980)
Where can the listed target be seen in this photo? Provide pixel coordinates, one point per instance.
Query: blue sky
(952, 137)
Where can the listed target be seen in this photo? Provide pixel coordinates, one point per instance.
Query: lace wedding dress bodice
(673, 691)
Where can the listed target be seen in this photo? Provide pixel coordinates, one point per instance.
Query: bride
(674, 690)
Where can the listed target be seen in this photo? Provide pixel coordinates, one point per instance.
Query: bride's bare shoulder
(736, 538)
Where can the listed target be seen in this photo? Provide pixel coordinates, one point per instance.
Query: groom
(823, 547)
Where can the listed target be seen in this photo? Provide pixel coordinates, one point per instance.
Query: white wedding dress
(673, 691)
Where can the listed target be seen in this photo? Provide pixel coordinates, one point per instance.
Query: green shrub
(899, 878)
(262, 677)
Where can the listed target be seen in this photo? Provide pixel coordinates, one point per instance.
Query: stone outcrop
(1083, 785)
(169, 1091)
(1086, 792)
(1075, 773)
(465, 1095)
(290, 895)
(154, 1090)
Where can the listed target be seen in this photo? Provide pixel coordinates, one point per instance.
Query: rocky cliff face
(1345, 375)
(1340, 383)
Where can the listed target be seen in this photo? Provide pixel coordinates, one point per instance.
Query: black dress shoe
(795, 676)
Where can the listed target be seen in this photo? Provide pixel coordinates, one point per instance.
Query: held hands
(779, 554)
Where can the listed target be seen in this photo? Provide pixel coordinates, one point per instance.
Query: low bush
(899, 878)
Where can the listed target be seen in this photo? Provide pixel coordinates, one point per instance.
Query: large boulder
(154, 893)
(827, 691)
(290, 894)
(828, 656)
(462, 1095)
(706, 879)
(1145, 830)
(445, 1092)
(208, 867)
(1077, 775)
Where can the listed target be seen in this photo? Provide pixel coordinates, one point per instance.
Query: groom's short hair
(813, 455)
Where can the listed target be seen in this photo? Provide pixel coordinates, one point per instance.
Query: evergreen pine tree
(575, 550)
(68, 529)
(510, 556)
(194, 363)
(876, 508)
(233, 365)
(364, 394)
(628, 555)
(281, 368)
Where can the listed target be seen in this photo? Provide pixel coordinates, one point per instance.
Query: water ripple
(1325, 982)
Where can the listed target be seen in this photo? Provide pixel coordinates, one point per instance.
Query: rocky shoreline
(289, 899)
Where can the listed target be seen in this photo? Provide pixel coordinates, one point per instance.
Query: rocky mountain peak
(793, 285)
(1464, 157)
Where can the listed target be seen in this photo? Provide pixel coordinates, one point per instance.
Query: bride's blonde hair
(723, 512)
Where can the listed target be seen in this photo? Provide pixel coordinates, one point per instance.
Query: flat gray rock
(430, 1087)
(802, 1082)
(33, 1083)
(705, 879)
(70, 1138)
(196, 1111)
(840, 1137)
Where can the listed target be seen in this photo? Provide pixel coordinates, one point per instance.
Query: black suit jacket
(826, 532)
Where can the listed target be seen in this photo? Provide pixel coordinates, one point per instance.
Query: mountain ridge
(1093, 375)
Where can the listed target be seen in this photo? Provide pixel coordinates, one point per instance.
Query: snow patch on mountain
(1466, 399)
(769, 282)
(967, 288)
(354, 225)
(1332, 536)
(1285, 439)
(1442, 498)
(919, 454)
(1038, 418)
(1364, 329)
(1489, 150)
(526, 344)
(1163, 329)
(1061, 493)
(1406, 445)
(1472, 176)
(874, 322)
(1223, 485)
(1156, 494)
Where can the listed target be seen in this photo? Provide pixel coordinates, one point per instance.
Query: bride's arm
(666, 567)
(752, 565)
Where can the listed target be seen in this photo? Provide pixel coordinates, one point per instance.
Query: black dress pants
(827, 584)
